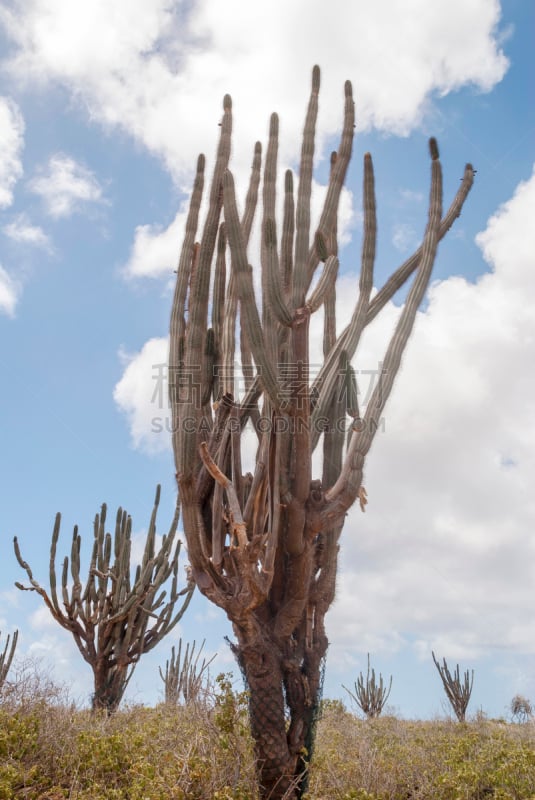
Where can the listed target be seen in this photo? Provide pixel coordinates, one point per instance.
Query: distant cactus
(521, 708)
(457, 693)
(114, 620)
(370, 696)
(185, 678)
(7, 657)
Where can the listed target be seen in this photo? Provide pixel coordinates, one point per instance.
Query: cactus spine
(264, 546)
(113, 619)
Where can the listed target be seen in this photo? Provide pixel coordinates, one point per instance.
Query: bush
(50, 750)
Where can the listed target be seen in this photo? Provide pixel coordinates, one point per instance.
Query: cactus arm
(6, 657)
(178, 321)
(288, 227)
(339, 165)
(325, 382)
(348, 340)
(399, 277)
(276, 303)
(325, 284)
(191, 409)
(252, 194)
(345, 490)
(218, 307)
(302, 217)
(243, 272)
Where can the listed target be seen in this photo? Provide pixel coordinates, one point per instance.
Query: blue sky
(103, 109)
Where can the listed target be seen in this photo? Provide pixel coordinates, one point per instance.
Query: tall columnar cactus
(264, 546)
(457, 692)
(369, 695)
(114, 619)
(6, 657)
(184, 677)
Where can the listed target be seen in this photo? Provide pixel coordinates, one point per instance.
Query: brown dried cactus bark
(264, 546)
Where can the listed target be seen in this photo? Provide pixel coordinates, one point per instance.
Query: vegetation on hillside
(51, 750)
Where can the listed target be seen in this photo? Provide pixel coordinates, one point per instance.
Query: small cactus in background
(185, 678)
(370, 696)
(7, 657)
(114, 620)
(457, 692)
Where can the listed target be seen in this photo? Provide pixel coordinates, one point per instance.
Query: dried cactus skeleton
(264, 546)
(115, 619)
(370, 696)
(457, 693)
(7, 657)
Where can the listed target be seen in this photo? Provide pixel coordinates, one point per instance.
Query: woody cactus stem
(7, 657)
(457, 692)
(184, 677)
(370, 696)
(264, 546)
(115, 619)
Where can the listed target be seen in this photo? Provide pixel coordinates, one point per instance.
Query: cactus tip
(348, 89)
(274, 124)
(258, 148)
(201, 161)
(433, 148)
(227, 102)
(315, 78)
(288, 181)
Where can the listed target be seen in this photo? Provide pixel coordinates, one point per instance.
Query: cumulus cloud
(11, 144)
(21, 230)
(159, 70)
(9, 293)
(155, 249)
(65, 186)
(446, 546)
(141, 394)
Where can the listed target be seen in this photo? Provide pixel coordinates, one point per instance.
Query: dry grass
(51, 750)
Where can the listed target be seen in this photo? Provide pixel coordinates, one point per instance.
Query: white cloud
(159, 71)
(22, 231)
(404, 237)
(141, 394)
(11, 144)
(9, 293)
(155, 249)
(446, 547)
(65, 186)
